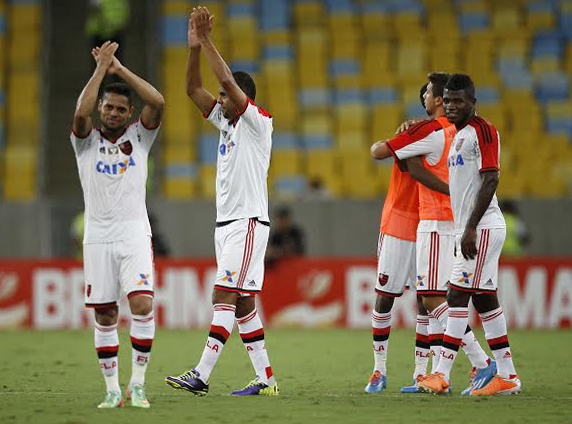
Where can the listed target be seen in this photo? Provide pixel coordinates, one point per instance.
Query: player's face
(227, 106)
(458, 106)
(114, 111)
(429, 99)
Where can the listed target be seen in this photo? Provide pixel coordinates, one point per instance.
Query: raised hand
(192, 33)
(104, 55)
(115, 65)
(202, 22)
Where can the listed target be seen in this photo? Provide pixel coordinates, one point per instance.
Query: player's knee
(106, 316)
(421, 307)
(141, 305)
(383, 304)
(458, 298)
(224, 296)
(485, 302)
(431, 302)
(244, 306)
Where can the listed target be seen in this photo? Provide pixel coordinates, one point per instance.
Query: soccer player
(428, 148)
(473, 162)
(112, 164)
(242, 223)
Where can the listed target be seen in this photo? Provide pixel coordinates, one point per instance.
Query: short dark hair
(461, 82)
(439, 80)
(246, 83)
(422, 94)
(119, 88)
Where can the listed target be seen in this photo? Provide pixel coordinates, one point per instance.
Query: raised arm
(421, 174)
(484, 198)
(202, 22)
(195, 90)
(82, 123)
(380, 150)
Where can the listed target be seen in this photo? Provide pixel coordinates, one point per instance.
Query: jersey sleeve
(421, 139)
(489, 146)
(214, 115)
(257, 119)
(146, 136)
(81, 145)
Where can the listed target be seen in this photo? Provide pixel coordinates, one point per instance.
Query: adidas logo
(252, 283)
(489, 282)
(507, 355)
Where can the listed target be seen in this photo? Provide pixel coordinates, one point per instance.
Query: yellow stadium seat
(411, 60)
(323, 165)
(178, 151)
(25, 17)
(535, 21)
(245, 50)
(316, 124)
(541, 66)
(473, 6)
(177, 7)
(378, 60)
(506, 20)
(286, 162)
(377, 26)
(308, 13)
(351, 117)
(24, 51)
(559, 109)
(352, 140)
(19, 179)
(207, 181)
(495, 114)
(178, 188)
(348, 81)
(276, 37)
(385, 120)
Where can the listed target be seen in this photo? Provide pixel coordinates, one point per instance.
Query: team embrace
(441, 229)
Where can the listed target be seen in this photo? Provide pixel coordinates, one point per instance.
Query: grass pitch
(53, 377)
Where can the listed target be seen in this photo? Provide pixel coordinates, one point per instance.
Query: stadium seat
(540, 15)
(207, 181)
(286, 162)
(290, 187)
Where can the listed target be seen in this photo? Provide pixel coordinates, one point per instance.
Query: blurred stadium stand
(339, 74)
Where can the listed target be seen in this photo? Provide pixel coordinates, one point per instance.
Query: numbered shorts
(111, 268)
(395, 265)
(240, 247)
(435, 259)
(479, 274)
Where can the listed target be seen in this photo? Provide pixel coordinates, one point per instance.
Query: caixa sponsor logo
(456, 160)
(116, 168)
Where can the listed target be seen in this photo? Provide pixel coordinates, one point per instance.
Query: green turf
(53, 377)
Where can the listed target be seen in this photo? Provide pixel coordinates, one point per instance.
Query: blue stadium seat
(3, 26)
(383, 95)
(344, 67)
(290, 186)
(275, 14)
(348, 96)
(559, 126)
(181, 170)
(565, 23)
(415, 111)
(208, 148)
(539, 6)
(340, 6)
(378, 7)
(317, 142)
(237, 9)
(547, 44)
(518, 80)
(278, 52)
(474, 21)
(285, 140)
(314, 97)
(174, 30)
(553, 86)
(487, 94)
(244, 65)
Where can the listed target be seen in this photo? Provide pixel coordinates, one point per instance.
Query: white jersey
(475, 149)
(242, 164)
(113, 176)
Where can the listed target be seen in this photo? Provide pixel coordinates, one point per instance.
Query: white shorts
(112, 267)
(435, 259)
(240, 249)
(395, 265)
(479, 274)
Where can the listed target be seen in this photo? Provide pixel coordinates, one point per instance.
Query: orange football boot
(500, 386)
(434, 383)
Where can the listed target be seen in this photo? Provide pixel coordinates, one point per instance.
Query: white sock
(107, 347)
(435, 341)
(469, 343)
(456, 325)
(221, 328)
(422, 348)
(494, 324)
(252, 335)
(381, 327)
(142, 334)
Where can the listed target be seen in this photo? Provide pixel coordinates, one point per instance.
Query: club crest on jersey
(116, 168)
(383, 279)
(226, 147)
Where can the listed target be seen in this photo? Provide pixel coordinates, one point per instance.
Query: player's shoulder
(423, 128)
(485, 132)
(93, 133)
(263, 112)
